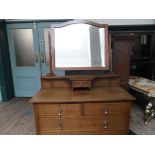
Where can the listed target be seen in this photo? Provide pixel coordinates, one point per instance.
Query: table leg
(149, 113)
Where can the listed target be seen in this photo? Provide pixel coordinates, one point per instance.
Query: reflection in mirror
(80, 45)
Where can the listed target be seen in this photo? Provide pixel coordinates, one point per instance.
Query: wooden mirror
(79, 45)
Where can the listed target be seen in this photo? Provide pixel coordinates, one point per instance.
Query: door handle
(42, 57)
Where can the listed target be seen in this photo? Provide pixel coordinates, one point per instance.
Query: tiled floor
(16, 118)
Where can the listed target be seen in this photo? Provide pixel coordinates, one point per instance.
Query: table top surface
(97, 94)
(142, 84)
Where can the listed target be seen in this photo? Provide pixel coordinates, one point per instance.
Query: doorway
(29, 55)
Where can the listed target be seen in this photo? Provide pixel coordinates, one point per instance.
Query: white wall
(0, 96)
(125, 21)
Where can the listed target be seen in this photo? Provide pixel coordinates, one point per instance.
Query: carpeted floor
(16, 118)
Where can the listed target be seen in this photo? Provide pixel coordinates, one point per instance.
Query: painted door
(43, 32)
(24, 55)
(0, 96)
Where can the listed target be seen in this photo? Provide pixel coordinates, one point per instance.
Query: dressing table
(81, 104)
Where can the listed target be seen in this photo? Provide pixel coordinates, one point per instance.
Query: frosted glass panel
(80, 45)
(23, 42)
(46, 40)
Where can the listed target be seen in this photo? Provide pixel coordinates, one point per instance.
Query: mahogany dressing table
(81, 104)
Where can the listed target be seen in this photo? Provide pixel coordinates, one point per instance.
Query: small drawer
(81, 84)
(117, 108)
(58, 109)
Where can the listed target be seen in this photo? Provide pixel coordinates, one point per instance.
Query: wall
(6, 83)
(125, 21)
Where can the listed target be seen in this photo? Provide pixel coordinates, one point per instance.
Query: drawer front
(58, 109)
(95, 122)
(78, 84)
(48, 125)
(85, 123)
(107, 109)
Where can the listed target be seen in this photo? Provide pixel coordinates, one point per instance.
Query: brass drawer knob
(59, 110)
(60, 127)
(59, 106)
(106, 111)
(105, 124)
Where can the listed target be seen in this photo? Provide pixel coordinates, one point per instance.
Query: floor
(16, 118)
(137, 122)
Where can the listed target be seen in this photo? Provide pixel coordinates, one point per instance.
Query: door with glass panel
(25, 58)
(43, 33)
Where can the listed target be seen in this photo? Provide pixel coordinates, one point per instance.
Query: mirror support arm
(49, 39)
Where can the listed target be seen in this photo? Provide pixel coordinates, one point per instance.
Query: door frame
(6, 80)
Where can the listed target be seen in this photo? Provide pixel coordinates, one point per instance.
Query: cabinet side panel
(36, 115)
(106, 82)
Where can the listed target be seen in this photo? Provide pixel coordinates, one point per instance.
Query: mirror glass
(79, 45)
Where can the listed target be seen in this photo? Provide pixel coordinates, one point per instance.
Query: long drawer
(82, 123)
